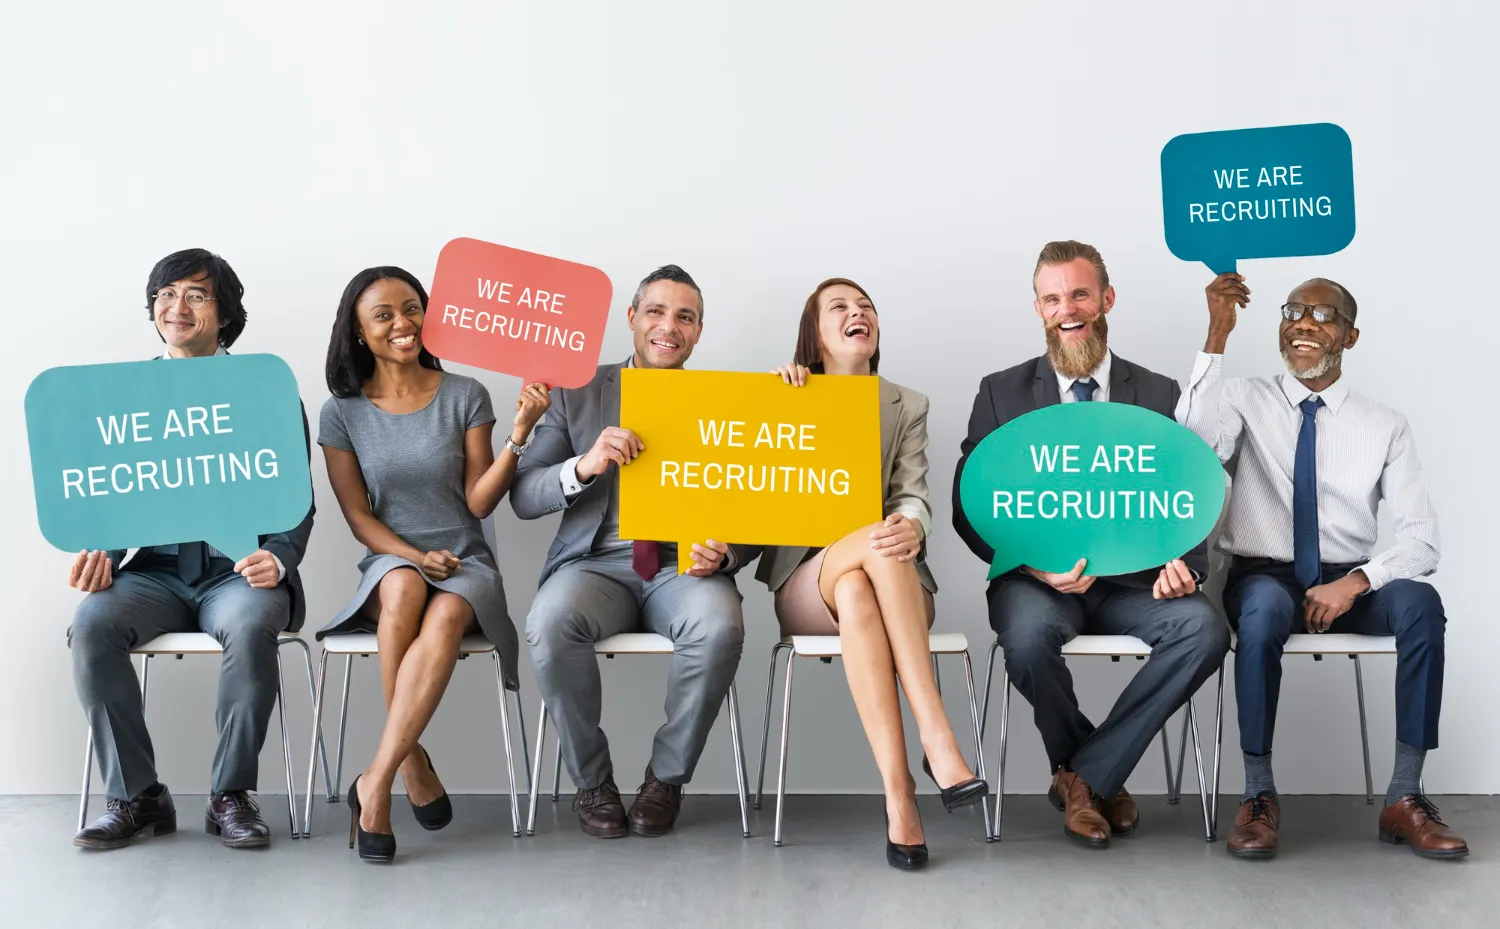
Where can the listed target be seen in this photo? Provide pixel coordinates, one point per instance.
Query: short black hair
(671, 273)
(229, 293)
(350, 363)
(1351, 308)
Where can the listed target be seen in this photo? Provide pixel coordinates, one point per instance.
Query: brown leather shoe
(656, 806)
(1255, 825)
(1121, 813)
(600, 811)
(236, 817)
(1414, 821)
(123, 821)
(1082, 821)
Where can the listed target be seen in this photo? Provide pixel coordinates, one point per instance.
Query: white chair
(178, 644)
(1115, 647)
(364, 644)
(635, 643)
(826, 648)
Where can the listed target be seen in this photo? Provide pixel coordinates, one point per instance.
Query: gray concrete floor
(831, 872)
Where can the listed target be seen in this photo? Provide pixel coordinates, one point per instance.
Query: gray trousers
(599, 596)
(143, 604)
(1188, 643)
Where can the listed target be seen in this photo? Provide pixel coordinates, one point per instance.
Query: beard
(1077, 360)
(1333, 355)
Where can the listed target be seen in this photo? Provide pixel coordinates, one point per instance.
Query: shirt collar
(218, 351)
(1296, 391)
(1100, 375)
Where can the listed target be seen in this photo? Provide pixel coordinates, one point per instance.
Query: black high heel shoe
(436, 814)
(904, 857)
(373, 846)
(962, 794)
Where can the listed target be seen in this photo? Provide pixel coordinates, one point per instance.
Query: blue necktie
(1083, 391)
(1306, 559)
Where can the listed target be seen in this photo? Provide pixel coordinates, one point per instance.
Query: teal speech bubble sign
(1258, 193)
(158, 452)
(1120, 485)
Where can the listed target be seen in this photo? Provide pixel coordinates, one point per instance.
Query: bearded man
(1034, 613)
(1311, 462)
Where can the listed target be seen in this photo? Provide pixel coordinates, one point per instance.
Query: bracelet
(517, 450)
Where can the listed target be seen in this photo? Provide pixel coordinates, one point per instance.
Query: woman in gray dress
(409, 456)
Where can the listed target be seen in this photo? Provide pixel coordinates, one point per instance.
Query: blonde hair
(1058, 253)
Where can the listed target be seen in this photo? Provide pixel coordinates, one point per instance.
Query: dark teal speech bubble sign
(1258, 193)
(158, 452)
(1122, 486)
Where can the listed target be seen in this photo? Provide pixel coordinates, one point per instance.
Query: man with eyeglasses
(1311, 461)
(194, 298)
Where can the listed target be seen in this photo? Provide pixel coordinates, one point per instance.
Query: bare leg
(872, 682)
(400, 601)
(902, 607)
(420, 683)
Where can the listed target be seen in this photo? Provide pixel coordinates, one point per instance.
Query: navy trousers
(1264, 604)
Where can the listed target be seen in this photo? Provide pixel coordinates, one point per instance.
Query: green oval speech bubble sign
(1120, 485)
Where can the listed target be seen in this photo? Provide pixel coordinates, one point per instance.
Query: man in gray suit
(194, 298)
(1034, 613)
(595, 585)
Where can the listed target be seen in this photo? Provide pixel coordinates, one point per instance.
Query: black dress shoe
(235, 816)
(125, 820)
(964, 793)
(436, 814)
(904, 857)
(373, 846)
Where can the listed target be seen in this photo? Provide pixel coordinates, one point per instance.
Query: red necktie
(645, 559)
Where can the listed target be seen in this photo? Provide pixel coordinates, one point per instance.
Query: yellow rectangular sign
(749, 459)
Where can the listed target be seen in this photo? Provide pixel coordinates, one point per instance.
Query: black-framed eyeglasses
(194, 300)
(1321, 312)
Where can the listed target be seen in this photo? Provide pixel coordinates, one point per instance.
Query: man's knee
(713, 623)
(253, 623)
(554, 625)
(1029, 639)
(97, 627)
(1418, 611)
(1265, 611)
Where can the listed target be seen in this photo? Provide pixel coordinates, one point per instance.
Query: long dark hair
(809, 352)
(351, 363)
(229, 293)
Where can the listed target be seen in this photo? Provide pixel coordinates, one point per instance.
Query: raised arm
(488, 477)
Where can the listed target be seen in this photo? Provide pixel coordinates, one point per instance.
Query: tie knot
(1310, 405)
(1083, 390)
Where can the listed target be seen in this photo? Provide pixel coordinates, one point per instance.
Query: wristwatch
(517, 450)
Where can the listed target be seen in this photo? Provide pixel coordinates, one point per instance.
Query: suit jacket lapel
(1121, 386)
(1044, 390)
(608, 409)
(890, 418)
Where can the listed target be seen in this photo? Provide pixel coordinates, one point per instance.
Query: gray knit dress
(413, 466)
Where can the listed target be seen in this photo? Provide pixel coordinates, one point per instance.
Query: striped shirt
(1365, 454)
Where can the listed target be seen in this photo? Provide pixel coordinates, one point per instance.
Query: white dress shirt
(280, 568)
(1100, 377)
(1365, 454)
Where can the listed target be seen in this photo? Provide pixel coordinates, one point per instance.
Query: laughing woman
(409, 456)
(872, 588)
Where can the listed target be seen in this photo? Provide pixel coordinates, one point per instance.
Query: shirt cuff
(918, 515)
(568, 474)
(730, 562)
(280, 568)
(1203, 366)
(1376, 574)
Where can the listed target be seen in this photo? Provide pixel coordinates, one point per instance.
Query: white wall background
(926, 151)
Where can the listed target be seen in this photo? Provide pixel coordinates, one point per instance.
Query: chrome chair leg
(510, 758)
(1364, 730)
(978, 737)
(1004, 736)
(739, 758)
(765, 730)
(286, 748)
(338, 763)
(536, 776)
(318, 692)
(786, 721)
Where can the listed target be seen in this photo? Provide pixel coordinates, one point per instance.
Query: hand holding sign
(516, 312)
(1101, 488)
(1258, 193)
(159, 452)
(751, 461)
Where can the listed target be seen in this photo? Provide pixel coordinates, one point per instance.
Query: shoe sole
(164, 827)
(254, 841)
(649, 833)
(1251, 854)
(1086, 841)
(1396, 840)
(604, 833)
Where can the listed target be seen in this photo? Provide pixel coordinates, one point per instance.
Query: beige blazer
(903, 474)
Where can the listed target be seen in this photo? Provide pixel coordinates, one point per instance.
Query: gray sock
(1407, 778)
(1258, 778)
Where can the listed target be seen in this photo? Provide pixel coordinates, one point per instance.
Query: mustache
(1055, 324)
